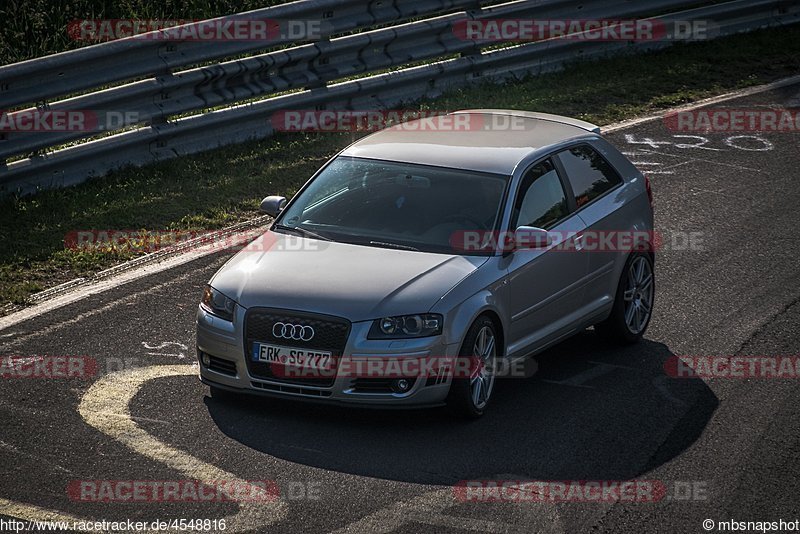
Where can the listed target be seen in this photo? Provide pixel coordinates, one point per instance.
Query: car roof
(485, 140)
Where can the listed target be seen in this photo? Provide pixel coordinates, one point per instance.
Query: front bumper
(224, 343)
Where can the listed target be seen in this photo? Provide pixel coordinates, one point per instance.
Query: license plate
(292, 356)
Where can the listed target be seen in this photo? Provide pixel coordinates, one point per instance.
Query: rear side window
(589, 174)
(540, 201)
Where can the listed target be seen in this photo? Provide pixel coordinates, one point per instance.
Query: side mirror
(273, 205)
(530, 237)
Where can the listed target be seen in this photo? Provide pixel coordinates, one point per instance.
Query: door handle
(579, 242)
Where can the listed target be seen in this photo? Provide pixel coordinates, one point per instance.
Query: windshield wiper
(301, 231)
(385, 244)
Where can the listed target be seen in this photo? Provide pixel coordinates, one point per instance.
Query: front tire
(469, 396)
(633, 303)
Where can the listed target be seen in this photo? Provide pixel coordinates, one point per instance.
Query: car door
(545, 284)
(595, 184)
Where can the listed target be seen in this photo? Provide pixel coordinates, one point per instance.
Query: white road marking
(651, 164)
(624, 125)
(54, 327)
(690, 159)
(137, 418)
(429, 509)
(660, 383)
(105, 406)
(29, 512)
(426, 508)
(127, 275)
(99, 287)
(163, 345)
(580, 379)
(110, 397)
(700, 146)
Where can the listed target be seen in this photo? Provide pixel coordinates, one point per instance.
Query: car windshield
(397, 205)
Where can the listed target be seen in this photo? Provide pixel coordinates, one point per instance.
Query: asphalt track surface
(721, 448)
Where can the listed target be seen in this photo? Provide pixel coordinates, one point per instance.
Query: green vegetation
(33, 28)
(224, 186)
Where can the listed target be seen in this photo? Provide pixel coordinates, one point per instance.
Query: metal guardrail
(316, 64)
(312, 66)
(135, 57)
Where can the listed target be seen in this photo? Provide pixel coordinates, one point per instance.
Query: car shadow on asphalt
(592, 411)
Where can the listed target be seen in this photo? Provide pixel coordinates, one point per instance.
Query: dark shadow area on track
(593, 411)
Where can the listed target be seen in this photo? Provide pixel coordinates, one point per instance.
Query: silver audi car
(428, 259)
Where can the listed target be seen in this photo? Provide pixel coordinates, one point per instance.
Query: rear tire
(633, 303)
(469, 396)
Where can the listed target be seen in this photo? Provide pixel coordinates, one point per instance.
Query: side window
(589, 174)
(540, 201)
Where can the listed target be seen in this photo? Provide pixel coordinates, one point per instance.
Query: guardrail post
(162, 96)
(472, 14)
(160, 119)
(320, 46)
(164, 51)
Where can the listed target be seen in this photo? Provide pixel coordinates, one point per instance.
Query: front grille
(226, 367)
(330, 334)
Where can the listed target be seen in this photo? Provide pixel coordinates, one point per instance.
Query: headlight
(406, 326)
(218, 304)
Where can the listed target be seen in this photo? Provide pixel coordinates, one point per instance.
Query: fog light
(205, 358)
(401, 385)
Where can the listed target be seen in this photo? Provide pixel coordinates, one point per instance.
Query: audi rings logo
(297, 332)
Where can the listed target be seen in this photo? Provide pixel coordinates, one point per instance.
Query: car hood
(352, 281)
